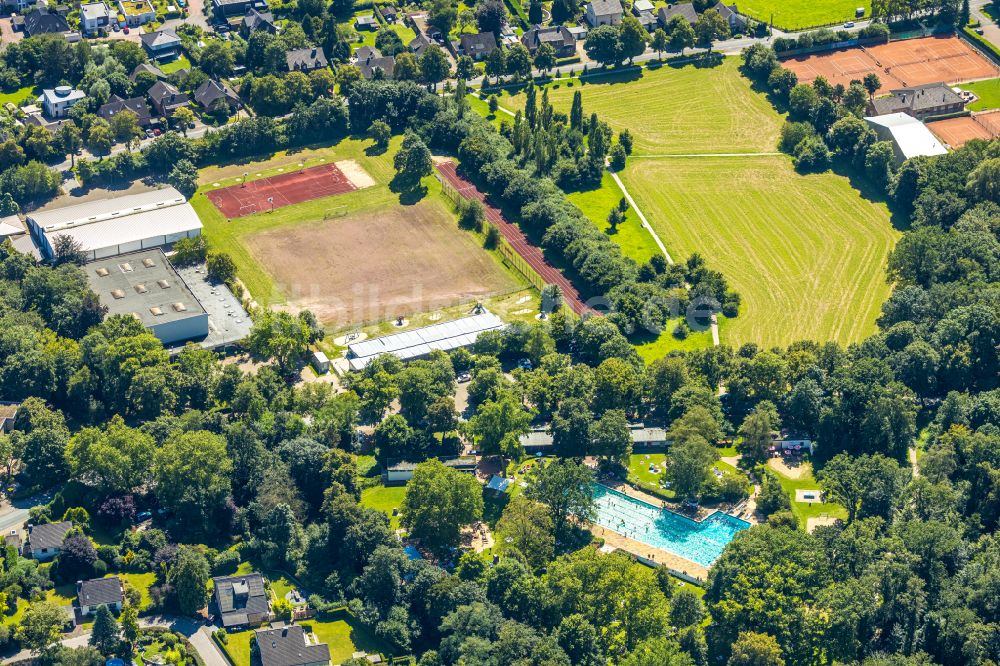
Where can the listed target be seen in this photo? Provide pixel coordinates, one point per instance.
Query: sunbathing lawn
(804, 510)
(638, 466)
(344, 635)
(384, 499)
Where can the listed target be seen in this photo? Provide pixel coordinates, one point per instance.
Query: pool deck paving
(675, 563)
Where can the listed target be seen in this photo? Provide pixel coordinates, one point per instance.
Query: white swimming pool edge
(679, 515)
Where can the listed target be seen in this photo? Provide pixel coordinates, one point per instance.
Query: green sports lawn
(676, 110)
(806, 253)
(988, 93)
(798, 14)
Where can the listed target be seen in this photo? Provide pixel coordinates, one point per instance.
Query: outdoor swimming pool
(700, 542)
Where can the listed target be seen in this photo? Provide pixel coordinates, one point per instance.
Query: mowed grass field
(675, 110)
(798, 14)
(333, 254)
(806, 253)
(988, 93)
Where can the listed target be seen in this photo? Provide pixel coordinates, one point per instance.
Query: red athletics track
(515, 237)
(286, 189)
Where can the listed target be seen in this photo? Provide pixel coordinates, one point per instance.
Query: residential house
(44, 21)
(59, 100)
(603, 12)
(478, 46)
(558, 36)
(166, 99)
(737, 23)
(365, 22)
(45, 541)
(18, 5)
(255, 20)
(162, 44)
(211, 94)
(306, 60)
(221, 9)
(685, 9)
(8, 410)
(94, 17)
(643, 11)
(146, 67)
(389, 13)
(137, 12)
(368, 59)
(290, 646)
(418, 45)
(116, 105)
(933, 99)
(97, 592)
(240, 601)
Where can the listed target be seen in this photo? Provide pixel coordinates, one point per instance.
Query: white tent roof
(910, 135)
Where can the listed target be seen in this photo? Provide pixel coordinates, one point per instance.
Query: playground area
(956, 132)
(266, 194)
(912, 62)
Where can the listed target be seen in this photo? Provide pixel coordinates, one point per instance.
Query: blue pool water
(700, 542)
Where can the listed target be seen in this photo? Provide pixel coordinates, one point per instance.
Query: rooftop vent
(180, 307)
(63, 91)
(148, 262)
(102, 272)
(118, 293)
(156, 312)
(163, 284)
(140, 289)
(126, 267)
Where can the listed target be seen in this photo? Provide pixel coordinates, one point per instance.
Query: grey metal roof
(100, 591)
(422, 341)
(144, 284)
(50, 535)
(239, 597)
(105, 222)
(287, 646)
(917, 99)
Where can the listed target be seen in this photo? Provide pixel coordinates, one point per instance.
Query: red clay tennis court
(283, 190)
(956, 132)
(910, 62)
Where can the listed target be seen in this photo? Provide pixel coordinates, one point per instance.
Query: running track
(513, 234)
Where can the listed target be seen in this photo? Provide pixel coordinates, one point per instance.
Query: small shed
(320, 362)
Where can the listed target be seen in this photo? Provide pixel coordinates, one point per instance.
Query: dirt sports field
(956, 132)
(287, 189)
(378, 266)
(911, 62)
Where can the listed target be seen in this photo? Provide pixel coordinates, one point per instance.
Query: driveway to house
(7, 34)
(195, 16)
(199, 634)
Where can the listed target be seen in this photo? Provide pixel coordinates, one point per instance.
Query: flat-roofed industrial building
(109, 227)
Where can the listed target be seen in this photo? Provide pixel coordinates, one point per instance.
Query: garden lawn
(384, 499)
(237, 647)
(141, 582)
(19, 95)
(175, 65)
(806, 253)
(638, 467)
(345, 635)
(988, 93)
(12, 619)
(675, 110)
(798, 14)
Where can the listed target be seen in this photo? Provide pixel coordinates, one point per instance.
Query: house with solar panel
(240, 601)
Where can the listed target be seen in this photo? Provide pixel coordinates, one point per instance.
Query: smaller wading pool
(701, 542)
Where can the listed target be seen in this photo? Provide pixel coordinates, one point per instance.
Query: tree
(527, 527)
(380, 133)
(498, 424)
(756, 431)
(125, 127)
(616, 160)
(682, 33)
(100, 137)
(518, 62)
(281, 336)
(604, 45)
(984, 180)
(189, 578)
(611, 438)
(189, 251)
(407, 68)
(690, 465)
(76, 557)
(71, 139)
(566, 487)
(67, 250)
(41, 627)
(412, 162)
(39, 437)
(772, 498)
(490, 16)
(192, 478)
(442, 15)
(182, 118)
(439, 501)
(221, 267)
(576, 112)
(754, 649)
(184, 176)
(711, 27)
(545, 57)
(217, 59)
(659, 42)
(465, 68)
(864, 485)
(686, 608)
(633, 38)
(434, 65)
(872, 83)
(104, 634)
(115, 460)
(130, 624)
(496, 64)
